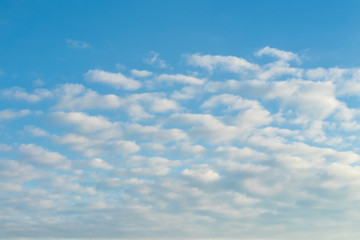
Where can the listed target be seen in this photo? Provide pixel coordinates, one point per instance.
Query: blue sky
(179, 119)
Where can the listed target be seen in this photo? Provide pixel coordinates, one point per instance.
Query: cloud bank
(228, 148)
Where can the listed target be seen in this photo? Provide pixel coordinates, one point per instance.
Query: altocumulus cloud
(225, 148)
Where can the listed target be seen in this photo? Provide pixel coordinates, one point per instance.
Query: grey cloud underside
(271, 150)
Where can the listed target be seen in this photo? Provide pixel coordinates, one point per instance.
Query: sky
(179, 120)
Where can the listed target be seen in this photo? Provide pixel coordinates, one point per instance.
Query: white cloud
(186, 93)
(20, 94)
(163, 105)
(201, 155)
(76, 97)
(125, 147)
(116, 80)
(138, 113)
(202, 173)
(17, 171)
(37, 155)
(152, 166)
(138, 104)
(259, 188)
(78, 143)
(274, 52)
(224, 63)
(35, 131)
(141, 73)
(100, 163)
(234, 153)
(312, 100)
(84, 122)
(232, 102)
(242, 199)
(9, 114)
(10, 187)
(5, 147)
(77, 44)
(207, 127)
(155, 133)
(180, 79)
(279, 69)
(155, 60)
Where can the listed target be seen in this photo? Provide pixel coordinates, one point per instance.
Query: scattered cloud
(77, 44)
(77, 97)
(9, 114)
(99, 163)
(35, 131)
(202, 173)
(240, 147)
(223, 63)
(181, 79)
(38, 155)
(140, 73)
(274, 52)
(38, 82)
(154, 60)
(20, 94)
(116, 80)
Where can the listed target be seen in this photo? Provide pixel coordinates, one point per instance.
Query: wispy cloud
(77, 44)
(154, 60)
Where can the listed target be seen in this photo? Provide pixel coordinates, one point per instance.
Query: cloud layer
(228, 148)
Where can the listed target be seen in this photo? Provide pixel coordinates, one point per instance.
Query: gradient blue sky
(179, 120)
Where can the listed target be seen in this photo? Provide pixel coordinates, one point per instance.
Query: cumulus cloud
(83, 122)
(224, 63)
(180, 79)
(77, 97)
(38, 155)
(138, 105)
(202, 173)
(207, 127)
(9, 114)
(35, 131)
(141, 73)
(20, 94)
(274, 52)
(100, 163)
(240, 147)
(116, 80)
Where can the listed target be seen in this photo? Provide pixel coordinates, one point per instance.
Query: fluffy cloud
(77, 97)
(282, 55)
(141, 73)
(20, 94)
(9, 114)
(181, 79)
(225, 63)
(241, 147)
(202, 173)
(207, 127)
(83, 122)
(37, 155)
(116, 80)
(99, 163)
